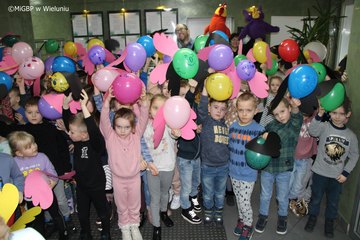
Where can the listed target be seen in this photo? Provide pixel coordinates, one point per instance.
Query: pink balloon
(31, 68)
(20, 51)
(103, 79)
(127, 88)
(176, 112)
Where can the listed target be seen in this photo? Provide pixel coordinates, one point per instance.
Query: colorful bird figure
(218, 21)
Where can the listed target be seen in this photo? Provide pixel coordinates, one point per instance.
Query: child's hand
(67, 100)
(20, 118)
(143, 164)
(153, 169)
(263, 67)
(21, 197)
(52, 183)
(341, 178)
(295, 102)
(321, 111)
(84, 98)
(143, 97)
(176, 133)
(60, 125)
(264, 135)
(199, 128)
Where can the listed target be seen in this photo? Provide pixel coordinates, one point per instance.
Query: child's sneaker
(175, 203)
(246, 233)
(329, 228)
(310, 225)
(281, 225)
(195, 204)
(238, 228)
(208, 217)
(218, 214)
(261, 223)
(301, 208)
(190, 216)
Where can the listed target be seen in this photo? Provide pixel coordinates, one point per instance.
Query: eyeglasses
(180, 30)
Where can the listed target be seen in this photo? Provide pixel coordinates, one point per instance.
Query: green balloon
(200, 42)
(239, 58)
(9, 40)
(186, 63)
(334, 98)
(51, 46)
(320, 70)
(274, 68)
(256, 160)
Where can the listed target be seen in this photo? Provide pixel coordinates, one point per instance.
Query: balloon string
(42, 45)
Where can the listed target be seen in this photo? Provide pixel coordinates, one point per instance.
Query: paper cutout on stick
(37, 188)
(9, 199)
(26, 217)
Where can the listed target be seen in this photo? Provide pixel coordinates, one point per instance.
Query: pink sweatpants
(127, 195)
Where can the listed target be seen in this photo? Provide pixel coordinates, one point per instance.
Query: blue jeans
(332, 188)
(190, 180)
(282, 192)
(146, 189)
(213, 180)
(299, 178)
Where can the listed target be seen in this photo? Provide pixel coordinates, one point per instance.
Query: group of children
(123, 135)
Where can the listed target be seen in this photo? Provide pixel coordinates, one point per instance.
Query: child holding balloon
(243, 177)
(214, 140)
(337, 156)
(161, 170)
(123, 145)
(287, 125)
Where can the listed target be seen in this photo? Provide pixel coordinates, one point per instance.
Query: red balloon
(289, 50)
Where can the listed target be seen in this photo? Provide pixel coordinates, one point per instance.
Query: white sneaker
(175, 203)
(135, 232)
(125, 231)
(171, 194)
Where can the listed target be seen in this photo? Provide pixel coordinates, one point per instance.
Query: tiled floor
(295, 224)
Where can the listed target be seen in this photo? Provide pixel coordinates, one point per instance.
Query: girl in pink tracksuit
(123, 146)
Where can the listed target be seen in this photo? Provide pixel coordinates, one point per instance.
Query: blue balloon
(63, 64)
(7, 80)
(302, 81)
(222, 34)
(148, 43)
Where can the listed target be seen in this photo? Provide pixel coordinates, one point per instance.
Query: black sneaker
(190, 216)
(310, 225)
(219, 222)
(281, 225)
(261, 223)
(329, 228)
(70, 225)
(166, 220)
(195, 204)
(208, 217)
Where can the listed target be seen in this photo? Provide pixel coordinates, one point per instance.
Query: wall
(58, 25)
(348, 199)
(18, 22)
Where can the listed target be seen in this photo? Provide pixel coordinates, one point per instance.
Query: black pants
(39, 223)
(98, 198)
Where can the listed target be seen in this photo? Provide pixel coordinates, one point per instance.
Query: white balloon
(26, 233)
(318, 48)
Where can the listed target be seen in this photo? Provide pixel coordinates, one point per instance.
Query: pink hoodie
(124, 153)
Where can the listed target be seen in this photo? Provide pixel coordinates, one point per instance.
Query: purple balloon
(245, 70)
(136, 56)
(97, 55)
(48, 64)
(166, 59)
(220, 57)
(48, 111)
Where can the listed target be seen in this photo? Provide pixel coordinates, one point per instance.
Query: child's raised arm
(144, 113)
(203, 106)
(105, 124)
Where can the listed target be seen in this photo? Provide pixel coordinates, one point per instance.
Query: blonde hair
(19, 140)
(156, 97)
(247, 96)
(78, 121)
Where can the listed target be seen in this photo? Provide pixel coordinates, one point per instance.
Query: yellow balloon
(70, 48)
(306, 54)
(219, 86)
(59, 82)
(95, 41)
(259, 51)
